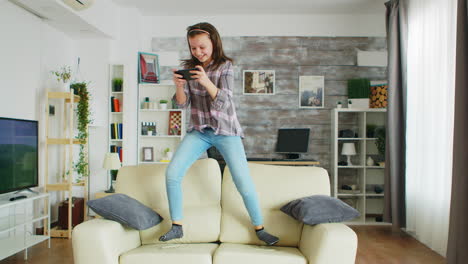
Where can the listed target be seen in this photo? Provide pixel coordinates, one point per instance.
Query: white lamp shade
(111, 161)
(348, 149)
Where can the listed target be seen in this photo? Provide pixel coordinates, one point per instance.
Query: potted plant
(83, 116)
(150, 131)
(117, 84)
(168, 153)
(380, 142)
(370, 130)
(163, 104)
(63, 76)
(338, 104)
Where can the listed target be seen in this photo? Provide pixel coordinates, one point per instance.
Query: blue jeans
(232, 149)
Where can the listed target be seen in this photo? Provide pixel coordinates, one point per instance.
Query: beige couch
(214, 211)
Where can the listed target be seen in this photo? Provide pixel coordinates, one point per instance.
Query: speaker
(77, 212)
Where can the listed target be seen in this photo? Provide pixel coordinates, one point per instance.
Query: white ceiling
(226, 7)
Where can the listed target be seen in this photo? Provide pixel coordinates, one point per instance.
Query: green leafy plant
(166, 150)
(163, 101)
(358, 88)
(83, 114)
(370, 130)
(380, 141)
(63, 75)
(117, 84)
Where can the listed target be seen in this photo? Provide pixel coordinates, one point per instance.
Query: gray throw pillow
(318, 209)
(125, 210)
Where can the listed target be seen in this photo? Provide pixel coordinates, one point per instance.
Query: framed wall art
(259, 82)
(148, 68)
(311, 91)
(148, 154)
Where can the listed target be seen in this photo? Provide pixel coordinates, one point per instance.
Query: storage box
(77, 212)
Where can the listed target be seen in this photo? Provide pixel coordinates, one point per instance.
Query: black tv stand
(292, 156)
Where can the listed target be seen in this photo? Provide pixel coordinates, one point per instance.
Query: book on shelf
(120, 130)
(115, 104)
(117, 149)
(116, 130)
(112, 104)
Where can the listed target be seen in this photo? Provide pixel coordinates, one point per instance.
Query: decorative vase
(163, 106)
(169, 155)
(370, 161)
(65, 86)
(149, 133)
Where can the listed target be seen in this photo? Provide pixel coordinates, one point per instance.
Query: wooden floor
(377, 245)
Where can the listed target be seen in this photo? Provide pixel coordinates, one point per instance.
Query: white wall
(273, 25)
(30, 49)
(20, 62)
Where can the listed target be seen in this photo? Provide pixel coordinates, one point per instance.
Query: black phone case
(186, 73)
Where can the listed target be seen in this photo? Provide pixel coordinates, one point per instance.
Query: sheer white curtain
(431, 75)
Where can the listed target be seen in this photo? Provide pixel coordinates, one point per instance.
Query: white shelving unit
(364, 178)
(17, 228)
(160, 140)
(116, 142)
(116, 71)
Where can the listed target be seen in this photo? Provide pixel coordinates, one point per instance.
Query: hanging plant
(63, 75)
(83, 115)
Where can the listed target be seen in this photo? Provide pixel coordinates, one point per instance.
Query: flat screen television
(18, 154)
(292, 141)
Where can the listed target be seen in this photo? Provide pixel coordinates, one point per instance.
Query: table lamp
(348, 150)
(111, 162)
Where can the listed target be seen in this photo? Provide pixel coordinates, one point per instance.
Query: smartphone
(186, 74)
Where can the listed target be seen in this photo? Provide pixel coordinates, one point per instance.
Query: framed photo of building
(311, 91)
(148, 68)
(259, 82)
(148, 154)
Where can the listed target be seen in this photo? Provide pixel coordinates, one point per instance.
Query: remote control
(18, 197)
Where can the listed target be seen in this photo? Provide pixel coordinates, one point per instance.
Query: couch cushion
(125, 210)
(317, 209)
(202, 194)
(252, 254)
(170, 253)
(276, 186)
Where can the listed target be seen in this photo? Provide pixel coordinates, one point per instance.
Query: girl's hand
(177, 78)
(200, 76)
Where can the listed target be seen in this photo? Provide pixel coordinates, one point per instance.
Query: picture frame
(148, 68)
(148, 154)
(258, 82)
(311, 91)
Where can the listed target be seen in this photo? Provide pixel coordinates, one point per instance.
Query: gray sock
(266, 237)
(175, 232)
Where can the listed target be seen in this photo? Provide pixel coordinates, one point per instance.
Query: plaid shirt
(218, 114)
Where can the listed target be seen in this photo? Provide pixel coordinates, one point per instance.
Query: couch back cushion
(201, 194)
(276, 186)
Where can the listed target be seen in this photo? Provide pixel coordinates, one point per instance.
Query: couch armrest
(102, 241)
(328, 243)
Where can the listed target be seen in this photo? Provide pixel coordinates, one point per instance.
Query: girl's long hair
(218, 55)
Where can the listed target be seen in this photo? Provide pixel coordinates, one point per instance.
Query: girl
(213, 122)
